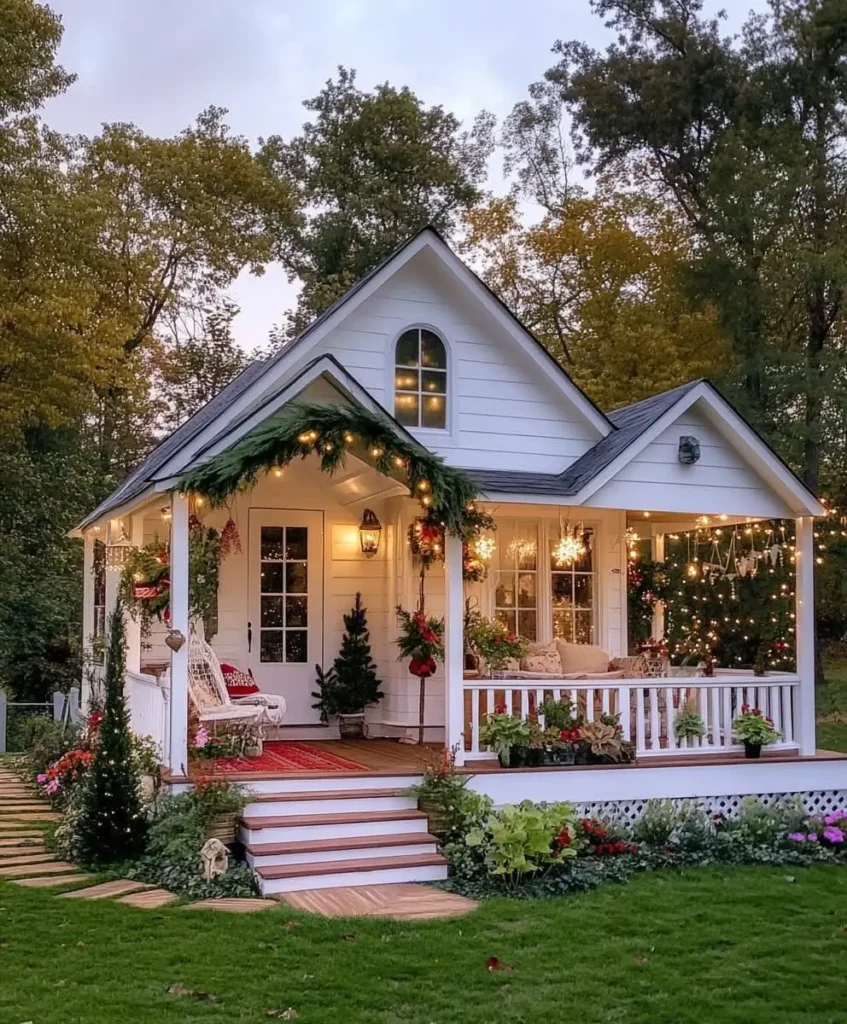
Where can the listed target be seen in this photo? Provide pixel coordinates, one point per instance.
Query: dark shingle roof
(630, 422)
(138, 479)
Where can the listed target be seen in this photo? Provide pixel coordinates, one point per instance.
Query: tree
(196, 361)
(30, 34)
(746, 137)
(356, 682)
(111, 825)
(369, 171)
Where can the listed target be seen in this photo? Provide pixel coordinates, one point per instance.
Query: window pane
(583, 588)
(504, 594)
(583, 628)
(271, 648)
(562, 590)
(272, 542)
(434, 412)
(272, 612)
(295, 611)
(583, 563)
(295, 578)
(406, 380)
(407, 348)
(295, 645)
(527, 551)
(507, 619)
(432, 351)
(563, 626)
(296, 538)
(526, 590)
(527, 625)
(406, 409)
(433, 382)
(272, 578)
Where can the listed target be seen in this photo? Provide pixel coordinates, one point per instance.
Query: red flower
(633, 848)
(757, 713)
(620, 847)
(499, 709)
(745, 708)
(564, 837)
(94, 720)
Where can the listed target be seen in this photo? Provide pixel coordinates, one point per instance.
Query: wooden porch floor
(388, 757)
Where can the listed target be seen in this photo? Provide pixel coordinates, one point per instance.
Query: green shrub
(46, 741)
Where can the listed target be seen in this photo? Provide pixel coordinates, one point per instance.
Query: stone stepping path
(35, 857)
(150, 899)
(56, 867)
(233, 906)
(50, 881)
(13, 834)
(106, 890)
(406, 901)
(9, 847)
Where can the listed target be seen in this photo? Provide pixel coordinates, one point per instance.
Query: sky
(158, 63)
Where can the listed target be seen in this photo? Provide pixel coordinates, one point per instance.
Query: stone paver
(232, 906)
(20, 832)
(403, 901)
(19, 843)
(150, 899)
(22, 857)
(51, 881)
(56, 867)
(105, 890)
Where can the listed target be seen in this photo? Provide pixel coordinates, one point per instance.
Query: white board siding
(499, 402)
(720, 482)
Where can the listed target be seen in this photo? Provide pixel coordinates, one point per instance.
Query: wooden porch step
(350, 843)
(348, 818)
(333, 867)
(325, 794)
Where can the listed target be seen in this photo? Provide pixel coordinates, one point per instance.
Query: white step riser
(298, 833)
(270, 886)
(341, 805)
(366, 853)
(340, 780)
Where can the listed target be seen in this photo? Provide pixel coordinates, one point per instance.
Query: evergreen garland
(330, 432)
(111, 826)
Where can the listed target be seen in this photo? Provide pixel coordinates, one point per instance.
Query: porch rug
(285, 756)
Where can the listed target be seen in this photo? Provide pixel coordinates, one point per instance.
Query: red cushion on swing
(238, 683)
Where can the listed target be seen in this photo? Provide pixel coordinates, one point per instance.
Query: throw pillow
(238, 683)
(582, 657)
(542, 658)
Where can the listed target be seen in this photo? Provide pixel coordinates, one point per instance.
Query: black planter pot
(534, 757)
(752, 750)
(563, 754)
(581, 753)
(517, 757)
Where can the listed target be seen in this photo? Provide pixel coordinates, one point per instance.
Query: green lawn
(832, 704)
(740, 946)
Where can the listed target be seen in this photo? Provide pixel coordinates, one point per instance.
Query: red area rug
(285, 756)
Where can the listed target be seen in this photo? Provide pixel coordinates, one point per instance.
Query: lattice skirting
(817, 802)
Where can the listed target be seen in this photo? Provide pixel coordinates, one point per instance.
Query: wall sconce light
(369, 533)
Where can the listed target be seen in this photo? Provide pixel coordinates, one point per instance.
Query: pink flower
(42, 778)
(201, 737)
(812, 837)
(53, 787)
(797, 837)
(833, 835)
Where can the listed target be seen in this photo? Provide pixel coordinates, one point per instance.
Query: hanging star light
(570, 545)
(485, 548)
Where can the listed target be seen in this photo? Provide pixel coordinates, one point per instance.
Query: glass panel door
(283, 594)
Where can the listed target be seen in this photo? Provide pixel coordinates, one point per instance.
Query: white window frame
(548, 530)
(438, 434)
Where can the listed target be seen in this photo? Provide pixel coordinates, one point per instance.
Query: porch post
(87, 612)
(178, 742)
(658, 552)
(133, 625)
(454, 648)
(804, 625)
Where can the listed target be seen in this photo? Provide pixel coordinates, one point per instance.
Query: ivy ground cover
(742, 945)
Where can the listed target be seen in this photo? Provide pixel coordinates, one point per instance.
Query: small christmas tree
(111, 826)
(356, 684)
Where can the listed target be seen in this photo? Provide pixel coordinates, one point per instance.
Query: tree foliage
(368, 171)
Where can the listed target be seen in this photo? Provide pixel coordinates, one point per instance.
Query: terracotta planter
(752, 750)
(352, 727)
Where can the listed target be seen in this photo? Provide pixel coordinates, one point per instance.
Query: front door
(285, 614)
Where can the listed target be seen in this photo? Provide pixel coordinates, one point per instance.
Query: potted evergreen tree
(351, 685)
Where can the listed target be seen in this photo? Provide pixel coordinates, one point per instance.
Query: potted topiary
(351, 685)
(755, 730)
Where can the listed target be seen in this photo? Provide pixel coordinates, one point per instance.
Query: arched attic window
(420, 379)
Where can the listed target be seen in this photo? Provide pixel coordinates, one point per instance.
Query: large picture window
(572, 596)
(420, 379)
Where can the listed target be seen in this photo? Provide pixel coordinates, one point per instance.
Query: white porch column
(87, 613)
(454, 648)
(178, 741)
(133, 625)
(658, 551)
(804, 625)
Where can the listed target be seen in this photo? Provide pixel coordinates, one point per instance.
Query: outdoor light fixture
(369, 533)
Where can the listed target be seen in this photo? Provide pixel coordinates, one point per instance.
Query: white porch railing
(648, 708)
(148, 708)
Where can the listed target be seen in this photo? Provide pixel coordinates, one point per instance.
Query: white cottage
(424, 345)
